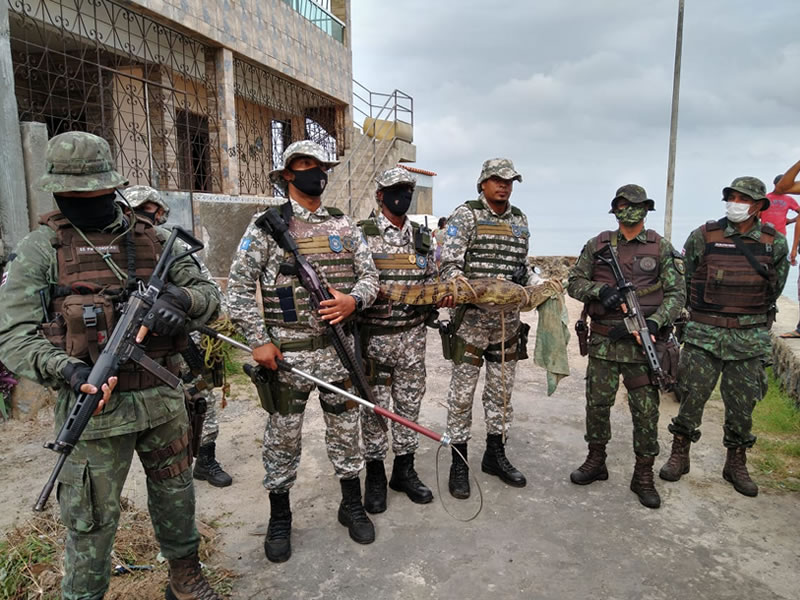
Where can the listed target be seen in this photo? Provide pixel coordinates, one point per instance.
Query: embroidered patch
(422, 261)
(245, 245)
(349, 243)
(335, 242)
(516, 230)
(648, 264)
(724, 245)
(679, 266)
(113, 249)
(452, 230)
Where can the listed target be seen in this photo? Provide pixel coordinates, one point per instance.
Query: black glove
(652, 327)
(167, 316)
(610, 297)
(76, 374)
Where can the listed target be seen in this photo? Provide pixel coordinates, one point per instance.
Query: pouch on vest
(55, 331)
(89, 320)
(669, 354)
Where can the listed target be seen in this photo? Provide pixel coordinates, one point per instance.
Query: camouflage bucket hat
(749, 186)
(136, 195)
(634, 194)
(79, 162)
(395, 176)
(498, 167)
(301, 148)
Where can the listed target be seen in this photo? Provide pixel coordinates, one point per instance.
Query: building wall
(271, 33)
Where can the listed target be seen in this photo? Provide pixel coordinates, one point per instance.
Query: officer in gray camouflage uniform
(651, 264)
(487, 237)
(290, 329)
(142, 414)
(147, 203)
(393, 338)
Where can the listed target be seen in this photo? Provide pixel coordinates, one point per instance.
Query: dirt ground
(551, 539)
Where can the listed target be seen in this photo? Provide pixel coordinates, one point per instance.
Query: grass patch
(31, 559)
(776, 455)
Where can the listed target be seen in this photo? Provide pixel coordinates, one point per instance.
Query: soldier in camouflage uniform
(735, 271)
(393, 338)
(147, 203)
(290, 329)
(487, 237)
(651, 264)
(78, 259)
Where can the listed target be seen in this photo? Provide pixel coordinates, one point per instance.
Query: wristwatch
(359, 302)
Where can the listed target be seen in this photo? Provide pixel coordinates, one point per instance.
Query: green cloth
(552, 337)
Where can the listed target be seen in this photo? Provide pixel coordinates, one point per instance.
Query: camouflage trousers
(89, 491)
(282, 435)
(210, 422)
(744, 382)
(479, 329)
(602, 383)
(401, 357)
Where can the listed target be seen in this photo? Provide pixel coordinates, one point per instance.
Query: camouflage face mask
(631, 215)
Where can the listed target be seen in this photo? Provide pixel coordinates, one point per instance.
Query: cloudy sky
(578, 95)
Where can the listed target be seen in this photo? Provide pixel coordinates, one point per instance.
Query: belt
(371, 330)
(718, 321)
(133, 377)
(314, 343)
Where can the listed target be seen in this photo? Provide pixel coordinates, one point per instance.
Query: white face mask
(736, 212)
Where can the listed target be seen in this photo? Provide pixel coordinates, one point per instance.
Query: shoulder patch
(245, 245)
(677, 260)
(452, 230)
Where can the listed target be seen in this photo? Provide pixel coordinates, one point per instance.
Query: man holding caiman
(651, 264)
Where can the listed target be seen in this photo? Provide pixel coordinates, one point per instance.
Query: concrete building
(197, 98)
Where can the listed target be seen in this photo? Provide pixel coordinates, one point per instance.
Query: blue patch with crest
(422, 261)
(335, 243)
(245, 245)
(452, 230)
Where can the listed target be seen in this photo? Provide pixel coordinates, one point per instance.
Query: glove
(76, 374)
(652, 327)
(610, 297)
(167, 316)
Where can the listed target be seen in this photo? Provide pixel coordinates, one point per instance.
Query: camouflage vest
(87, 298)
(725, 281)
(499, 245)
(329, 247)
(401, 264)
(641, 264)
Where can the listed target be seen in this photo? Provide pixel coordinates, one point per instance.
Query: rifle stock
(121, 347)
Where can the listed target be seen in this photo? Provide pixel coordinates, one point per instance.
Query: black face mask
(91, 214)
(311, 181)
(150, 216)
(397, 200)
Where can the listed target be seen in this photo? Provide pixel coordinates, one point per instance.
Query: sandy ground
(551, 539)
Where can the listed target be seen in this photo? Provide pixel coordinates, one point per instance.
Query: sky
(578, 94)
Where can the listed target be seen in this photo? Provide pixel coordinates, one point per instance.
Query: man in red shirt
(788, 184)
(779, 206)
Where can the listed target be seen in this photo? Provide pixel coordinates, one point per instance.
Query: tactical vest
(328, 246)
(87, 298)
(641, 265)
(498, 248)
(399, 265)
(725, 281)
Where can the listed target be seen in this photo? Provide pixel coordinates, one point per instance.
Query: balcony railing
(319, 16)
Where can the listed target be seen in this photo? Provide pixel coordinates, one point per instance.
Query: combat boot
(278, 543)
(735, 471)
(678, 463)
(459, 473)
(352, 514)
(375, 487)
(495, 462)
(642, 482)
(593, 468)
(186, 581)
(405, 479)
(206, 468)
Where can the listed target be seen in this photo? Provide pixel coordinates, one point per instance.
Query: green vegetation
(776, 456)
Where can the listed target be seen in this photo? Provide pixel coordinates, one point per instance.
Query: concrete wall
(270, 33)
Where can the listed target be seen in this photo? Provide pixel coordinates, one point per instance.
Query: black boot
(459, 473)
(677, 464)
(375, 487)
(495, 462)
(642, 483)
(593, 468)
(206, 468)
(352, 514)
(278, 543)
(405, 479)
(735, 471)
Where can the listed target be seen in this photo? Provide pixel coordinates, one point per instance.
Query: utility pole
(673, 126)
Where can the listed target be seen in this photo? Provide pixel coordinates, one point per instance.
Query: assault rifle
(274, 224)
(633, 318)
(121, 347)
